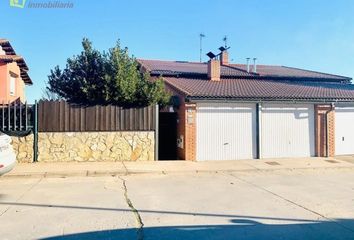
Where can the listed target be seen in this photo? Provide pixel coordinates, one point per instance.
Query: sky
(311, 34)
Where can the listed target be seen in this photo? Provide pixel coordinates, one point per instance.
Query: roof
(196, 69)
(254, 89)
(172, 68)
(12, 57)
(270, 83)
(291, 72)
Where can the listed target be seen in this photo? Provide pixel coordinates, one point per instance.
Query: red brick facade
(324, 121)
(324, 130)
(186, 128)
(186, 131)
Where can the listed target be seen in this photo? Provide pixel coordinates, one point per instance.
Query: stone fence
(63, 132)
(23, 147)
(87, 146)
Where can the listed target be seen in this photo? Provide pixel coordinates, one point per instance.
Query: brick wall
(190, 132)
(186, 125)
(181, 130)
(186, 129)
(324, 126)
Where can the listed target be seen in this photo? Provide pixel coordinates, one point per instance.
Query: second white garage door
(344, 122)
(226, 131)
(287, 130)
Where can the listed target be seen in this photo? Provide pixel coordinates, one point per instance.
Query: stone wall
(23, 147)
(96, 146)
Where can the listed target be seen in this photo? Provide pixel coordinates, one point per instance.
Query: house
(247, 111)
(13, 74)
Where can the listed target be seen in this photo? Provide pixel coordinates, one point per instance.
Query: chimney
(255, 65)
(214, 70)
(224, 57)
(248, 64)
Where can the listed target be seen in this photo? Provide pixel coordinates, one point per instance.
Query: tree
(99, 78)
(83, 79)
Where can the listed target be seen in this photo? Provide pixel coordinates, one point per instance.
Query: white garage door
(287, 130)
(226, 131)
(344, 132)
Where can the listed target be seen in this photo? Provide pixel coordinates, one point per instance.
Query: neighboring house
(238, 111)
(13, 74)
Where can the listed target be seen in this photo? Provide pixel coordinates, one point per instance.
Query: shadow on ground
(237, 229)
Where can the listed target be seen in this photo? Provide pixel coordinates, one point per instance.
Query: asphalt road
(281, 204)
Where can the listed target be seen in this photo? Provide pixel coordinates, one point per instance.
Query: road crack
(291, 202)
(138, 219)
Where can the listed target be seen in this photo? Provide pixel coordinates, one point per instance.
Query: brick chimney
(214, 70)
(224, 57)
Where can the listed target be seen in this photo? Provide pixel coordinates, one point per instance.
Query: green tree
(99, 78)
(83, 79)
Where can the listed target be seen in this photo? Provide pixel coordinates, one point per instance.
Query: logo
(18, 3)
(42, 4)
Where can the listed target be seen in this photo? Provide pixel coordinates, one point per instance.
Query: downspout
(258, 130)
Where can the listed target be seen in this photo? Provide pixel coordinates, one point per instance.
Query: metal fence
(60, 116)
(16, 117)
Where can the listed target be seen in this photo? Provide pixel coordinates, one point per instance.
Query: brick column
(190, 140)
(324, 130)
(186, 131)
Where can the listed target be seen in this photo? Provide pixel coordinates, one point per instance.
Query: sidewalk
(123, 168)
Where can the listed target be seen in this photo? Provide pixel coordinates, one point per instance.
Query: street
(279, 204)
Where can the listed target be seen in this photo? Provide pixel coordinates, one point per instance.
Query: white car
(7, 154)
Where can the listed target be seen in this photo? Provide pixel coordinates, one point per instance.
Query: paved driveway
(281, 204)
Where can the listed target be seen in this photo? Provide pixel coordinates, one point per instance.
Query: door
(344, 130)
(226, 131)
(167, 136)
(287, 130)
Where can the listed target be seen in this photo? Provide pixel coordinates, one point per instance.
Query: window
(12, 85)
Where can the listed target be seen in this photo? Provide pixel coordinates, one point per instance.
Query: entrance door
(167, 136)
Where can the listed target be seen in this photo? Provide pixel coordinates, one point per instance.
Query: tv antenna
(225, 41)
(201, 36)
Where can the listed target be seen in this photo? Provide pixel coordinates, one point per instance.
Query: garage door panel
(287, 131)
(344, 132)
(226, 131)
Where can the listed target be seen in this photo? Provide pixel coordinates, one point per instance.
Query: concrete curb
(192, 171)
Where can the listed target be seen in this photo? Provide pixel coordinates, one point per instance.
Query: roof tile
(169, 68)
(262, 90)
(269, 83)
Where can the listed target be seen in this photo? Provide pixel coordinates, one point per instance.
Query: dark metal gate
(167, 136)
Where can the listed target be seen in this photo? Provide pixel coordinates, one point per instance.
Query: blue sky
(312, 34)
